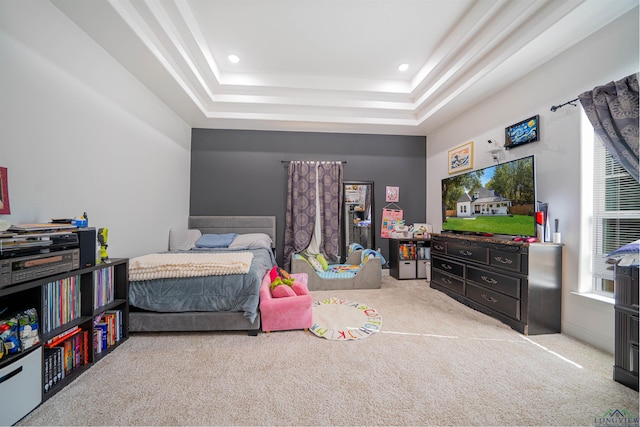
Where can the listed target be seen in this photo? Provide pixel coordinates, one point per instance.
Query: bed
(220, 302)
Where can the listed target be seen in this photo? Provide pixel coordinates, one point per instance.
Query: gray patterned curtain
(300, 216)
(330, 195)
(612, 109)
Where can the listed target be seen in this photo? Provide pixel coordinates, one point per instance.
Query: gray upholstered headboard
(235, 224)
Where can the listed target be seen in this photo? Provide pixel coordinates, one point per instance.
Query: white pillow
(315, 264)
(251, 241)
(183, 240)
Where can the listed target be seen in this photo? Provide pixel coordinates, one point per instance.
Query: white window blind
(616, 213)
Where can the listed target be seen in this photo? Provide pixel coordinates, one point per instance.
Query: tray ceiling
(332, 65)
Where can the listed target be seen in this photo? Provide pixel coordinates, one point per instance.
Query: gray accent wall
(241, 172)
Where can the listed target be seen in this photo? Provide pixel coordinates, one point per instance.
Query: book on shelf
(103, 287)
(85, 346)
(46, 371)
(63, 354)
(117, 323)
(103, 329)
(97, 340)
(61, 302)
(68, 356)
(61, 337)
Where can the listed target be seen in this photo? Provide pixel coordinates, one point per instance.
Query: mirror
(357, 218)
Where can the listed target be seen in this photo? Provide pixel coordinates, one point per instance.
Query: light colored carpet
(435, 362)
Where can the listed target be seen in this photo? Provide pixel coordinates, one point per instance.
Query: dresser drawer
(470, 252)
(438, 247)
(450, 267)
(626, 337)
(506, 260)
(498, 282)
(452, 283)
(494, 300)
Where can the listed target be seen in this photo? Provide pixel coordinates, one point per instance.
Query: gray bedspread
(235, 292)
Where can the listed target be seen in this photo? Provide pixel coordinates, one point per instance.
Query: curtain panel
(330, 195)
(314, 195)
(613, 111)
(300, 216)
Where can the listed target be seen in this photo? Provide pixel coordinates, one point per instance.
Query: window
(616, 214)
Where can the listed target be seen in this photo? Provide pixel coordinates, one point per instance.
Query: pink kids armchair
(286, 312)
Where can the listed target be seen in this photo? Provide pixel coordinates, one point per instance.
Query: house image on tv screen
(483, 202)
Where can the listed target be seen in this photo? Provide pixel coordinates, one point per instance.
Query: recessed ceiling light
(403, 67)
(234, 58)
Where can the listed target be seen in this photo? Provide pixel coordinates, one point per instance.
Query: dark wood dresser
(518, 283)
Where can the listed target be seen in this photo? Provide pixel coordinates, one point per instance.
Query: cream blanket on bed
(171, 265)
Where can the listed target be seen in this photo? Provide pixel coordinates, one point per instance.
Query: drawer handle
(446, 266)
(465, 252)
(11, 375)
(445, 280)
(490, 299)
(438, 247)
(489, 280)
(503, 260)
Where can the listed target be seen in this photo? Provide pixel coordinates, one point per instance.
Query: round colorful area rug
(340, 320)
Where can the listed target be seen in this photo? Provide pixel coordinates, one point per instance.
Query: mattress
(234, 292)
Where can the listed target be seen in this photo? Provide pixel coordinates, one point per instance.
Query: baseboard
(599, 341)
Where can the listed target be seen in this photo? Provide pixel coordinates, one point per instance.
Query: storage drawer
(494, 300)
(471, 252)
(423, 269)
(506, 260)
(21, 385)
(448, 266)
(406, 269)
(449, 282)
(495, 281)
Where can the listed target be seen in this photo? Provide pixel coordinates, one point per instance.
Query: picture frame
(393, 194)
(4, 192)
(523, 132)
(461, 158)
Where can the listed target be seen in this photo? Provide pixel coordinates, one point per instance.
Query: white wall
(610, 54)
(80, 133)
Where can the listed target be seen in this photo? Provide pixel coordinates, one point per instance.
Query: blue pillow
(215, 240)
(629, 248)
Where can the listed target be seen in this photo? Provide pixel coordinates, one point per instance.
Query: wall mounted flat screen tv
(522, 133)
(498, 200)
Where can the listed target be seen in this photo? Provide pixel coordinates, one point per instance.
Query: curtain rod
(555, 107)
(321, 161)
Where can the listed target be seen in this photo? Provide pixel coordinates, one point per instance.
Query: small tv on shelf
(522, 133)
(496, 200)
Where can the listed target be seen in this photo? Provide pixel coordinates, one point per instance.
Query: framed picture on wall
(393, 194)
(522, 133)
(4, 192)
(461, 158)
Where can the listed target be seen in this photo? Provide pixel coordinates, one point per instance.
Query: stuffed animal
(280, 277)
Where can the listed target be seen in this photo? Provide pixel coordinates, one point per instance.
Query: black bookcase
(409, 258)
(77, 303)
